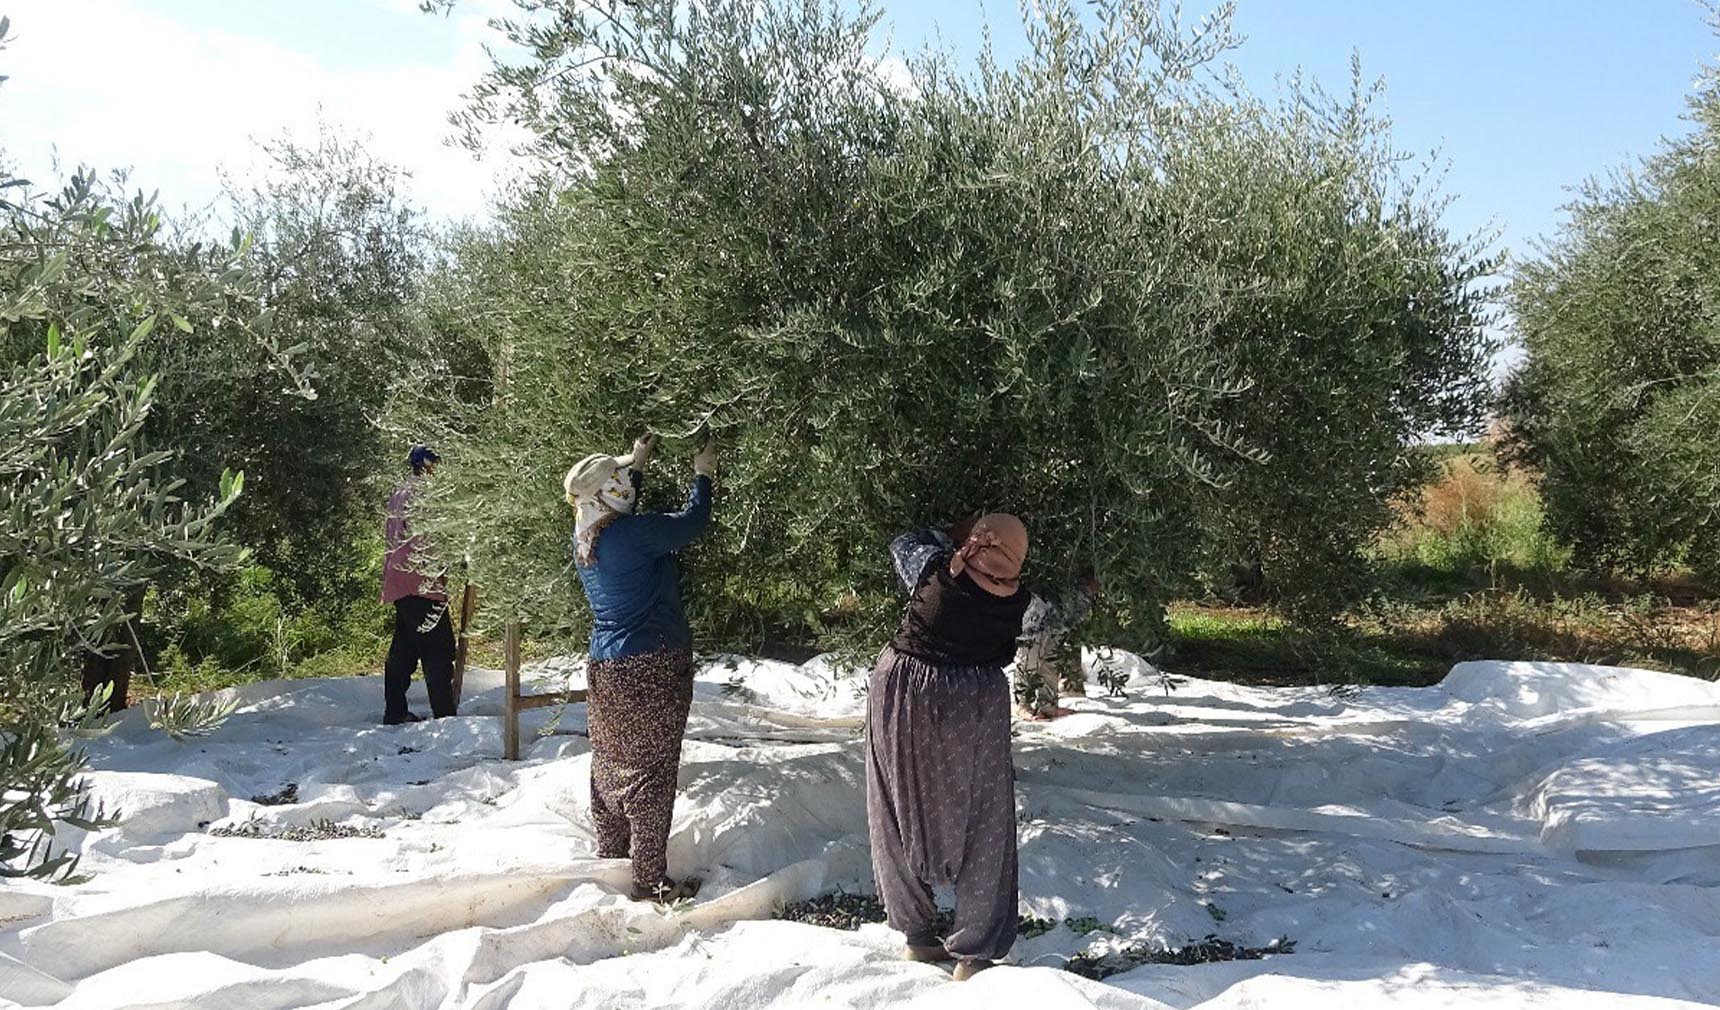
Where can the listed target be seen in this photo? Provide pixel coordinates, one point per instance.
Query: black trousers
(413, 645)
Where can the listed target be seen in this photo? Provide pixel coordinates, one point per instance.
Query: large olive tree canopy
(1172, 326)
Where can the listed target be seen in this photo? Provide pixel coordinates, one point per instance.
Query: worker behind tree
(640, 678)
(417, 585)
(1048, 665)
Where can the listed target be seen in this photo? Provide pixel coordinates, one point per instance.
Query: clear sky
(1524, 97)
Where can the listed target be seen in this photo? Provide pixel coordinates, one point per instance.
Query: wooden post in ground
(468, 602)
(513, 702)
(511, 720)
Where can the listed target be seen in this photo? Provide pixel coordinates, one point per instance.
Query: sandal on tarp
(927, 953)
(668, 890)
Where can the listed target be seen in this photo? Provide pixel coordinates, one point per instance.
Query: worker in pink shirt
(418, 588)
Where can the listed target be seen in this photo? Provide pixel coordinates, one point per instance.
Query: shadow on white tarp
(1520, 834)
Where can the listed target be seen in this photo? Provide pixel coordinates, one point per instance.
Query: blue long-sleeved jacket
(634, 583)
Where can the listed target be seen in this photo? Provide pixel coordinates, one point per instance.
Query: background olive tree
(278, 349)
(144, 368)
(1617, 403)
(338, 255)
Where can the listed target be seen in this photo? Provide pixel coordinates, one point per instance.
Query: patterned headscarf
(596, 508)
(993, 554)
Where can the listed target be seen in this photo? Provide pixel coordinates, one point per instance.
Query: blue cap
(422, 455)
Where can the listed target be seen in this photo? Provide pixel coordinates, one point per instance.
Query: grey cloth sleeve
(1048, 616)
(913, 551)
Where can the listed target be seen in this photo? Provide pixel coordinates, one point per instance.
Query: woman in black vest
(940, 787)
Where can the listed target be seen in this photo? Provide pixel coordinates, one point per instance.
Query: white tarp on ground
(1520, 835)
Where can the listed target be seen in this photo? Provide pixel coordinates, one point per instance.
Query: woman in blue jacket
(640, 678)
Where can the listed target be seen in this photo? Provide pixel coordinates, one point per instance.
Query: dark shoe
(968, 969)
(669, 891)
(927, 953)
(395, 720)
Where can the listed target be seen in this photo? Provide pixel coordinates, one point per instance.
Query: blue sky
(1524, 97)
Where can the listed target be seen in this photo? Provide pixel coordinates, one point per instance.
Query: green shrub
(249, 627)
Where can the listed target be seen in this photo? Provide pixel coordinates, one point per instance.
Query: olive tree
(1099, 287)
(1618, 398)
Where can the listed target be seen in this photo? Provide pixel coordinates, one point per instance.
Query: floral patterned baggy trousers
(636, 713)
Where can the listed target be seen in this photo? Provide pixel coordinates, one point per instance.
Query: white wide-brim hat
(589, 474)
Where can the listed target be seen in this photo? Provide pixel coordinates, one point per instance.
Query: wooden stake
(513, 702)
(468, 602)
(511, 697)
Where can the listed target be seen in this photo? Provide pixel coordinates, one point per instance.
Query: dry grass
(1465, 496)
(1641, 631)
(1403, 643)
(1476, 523)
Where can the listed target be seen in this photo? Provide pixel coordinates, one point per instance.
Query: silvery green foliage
(1175, 327)
(86, 515)
(89, 511)
(42, 787)
(1618, 399)
(184, 718)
